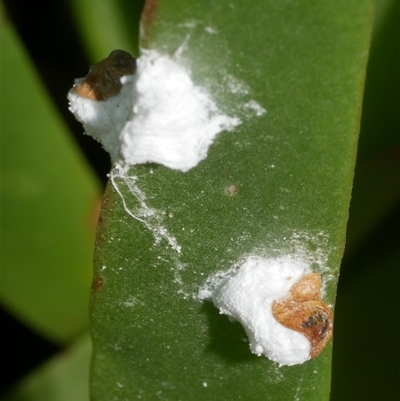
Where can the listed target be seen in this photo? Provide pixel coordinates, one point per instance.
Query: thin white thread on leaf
(151, 218)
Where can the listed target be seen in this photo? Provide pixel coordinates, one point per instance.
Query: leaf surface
(279, 184)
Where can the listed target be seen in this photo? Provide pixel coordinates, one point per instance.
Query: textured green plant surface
(304, 64)
(277, 184)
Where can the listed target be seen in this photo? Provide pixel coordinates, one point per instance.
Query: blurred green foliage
(49, 200)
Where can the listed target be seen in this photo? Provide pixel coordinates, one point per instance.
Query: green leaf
(49, 200)
(365, 336)
(65, 377)
(107, 25)
(380, 123)
(376, 184)
(278, 183)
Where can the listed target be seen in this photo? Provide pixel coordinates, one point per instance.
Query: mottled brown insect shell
(303, 311)
(104, 78)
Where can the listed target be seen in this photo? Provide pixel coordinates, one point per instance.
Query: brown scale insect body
(104, 78)
(304, 311)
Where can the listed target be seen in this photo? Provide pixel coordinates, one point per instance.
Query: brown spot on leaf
(232, 190)
(148, 15)
(104, 78)
(95, 213)
(97, 283)
(304, 311)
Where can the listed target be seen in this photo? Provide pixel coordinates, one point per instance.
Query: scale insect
(304, 311)
(104, 78)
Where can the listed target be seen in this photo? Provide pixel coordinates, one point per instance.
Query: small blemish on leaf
(95, 213)
(148, 15)
(232, 190)
(97, 283)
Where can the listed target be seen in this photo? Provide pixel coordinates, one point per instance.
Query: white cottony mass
(245, 293)
(159, 116)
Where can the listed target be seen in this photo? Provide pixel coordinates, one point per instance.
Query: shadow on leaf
(227, 339)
